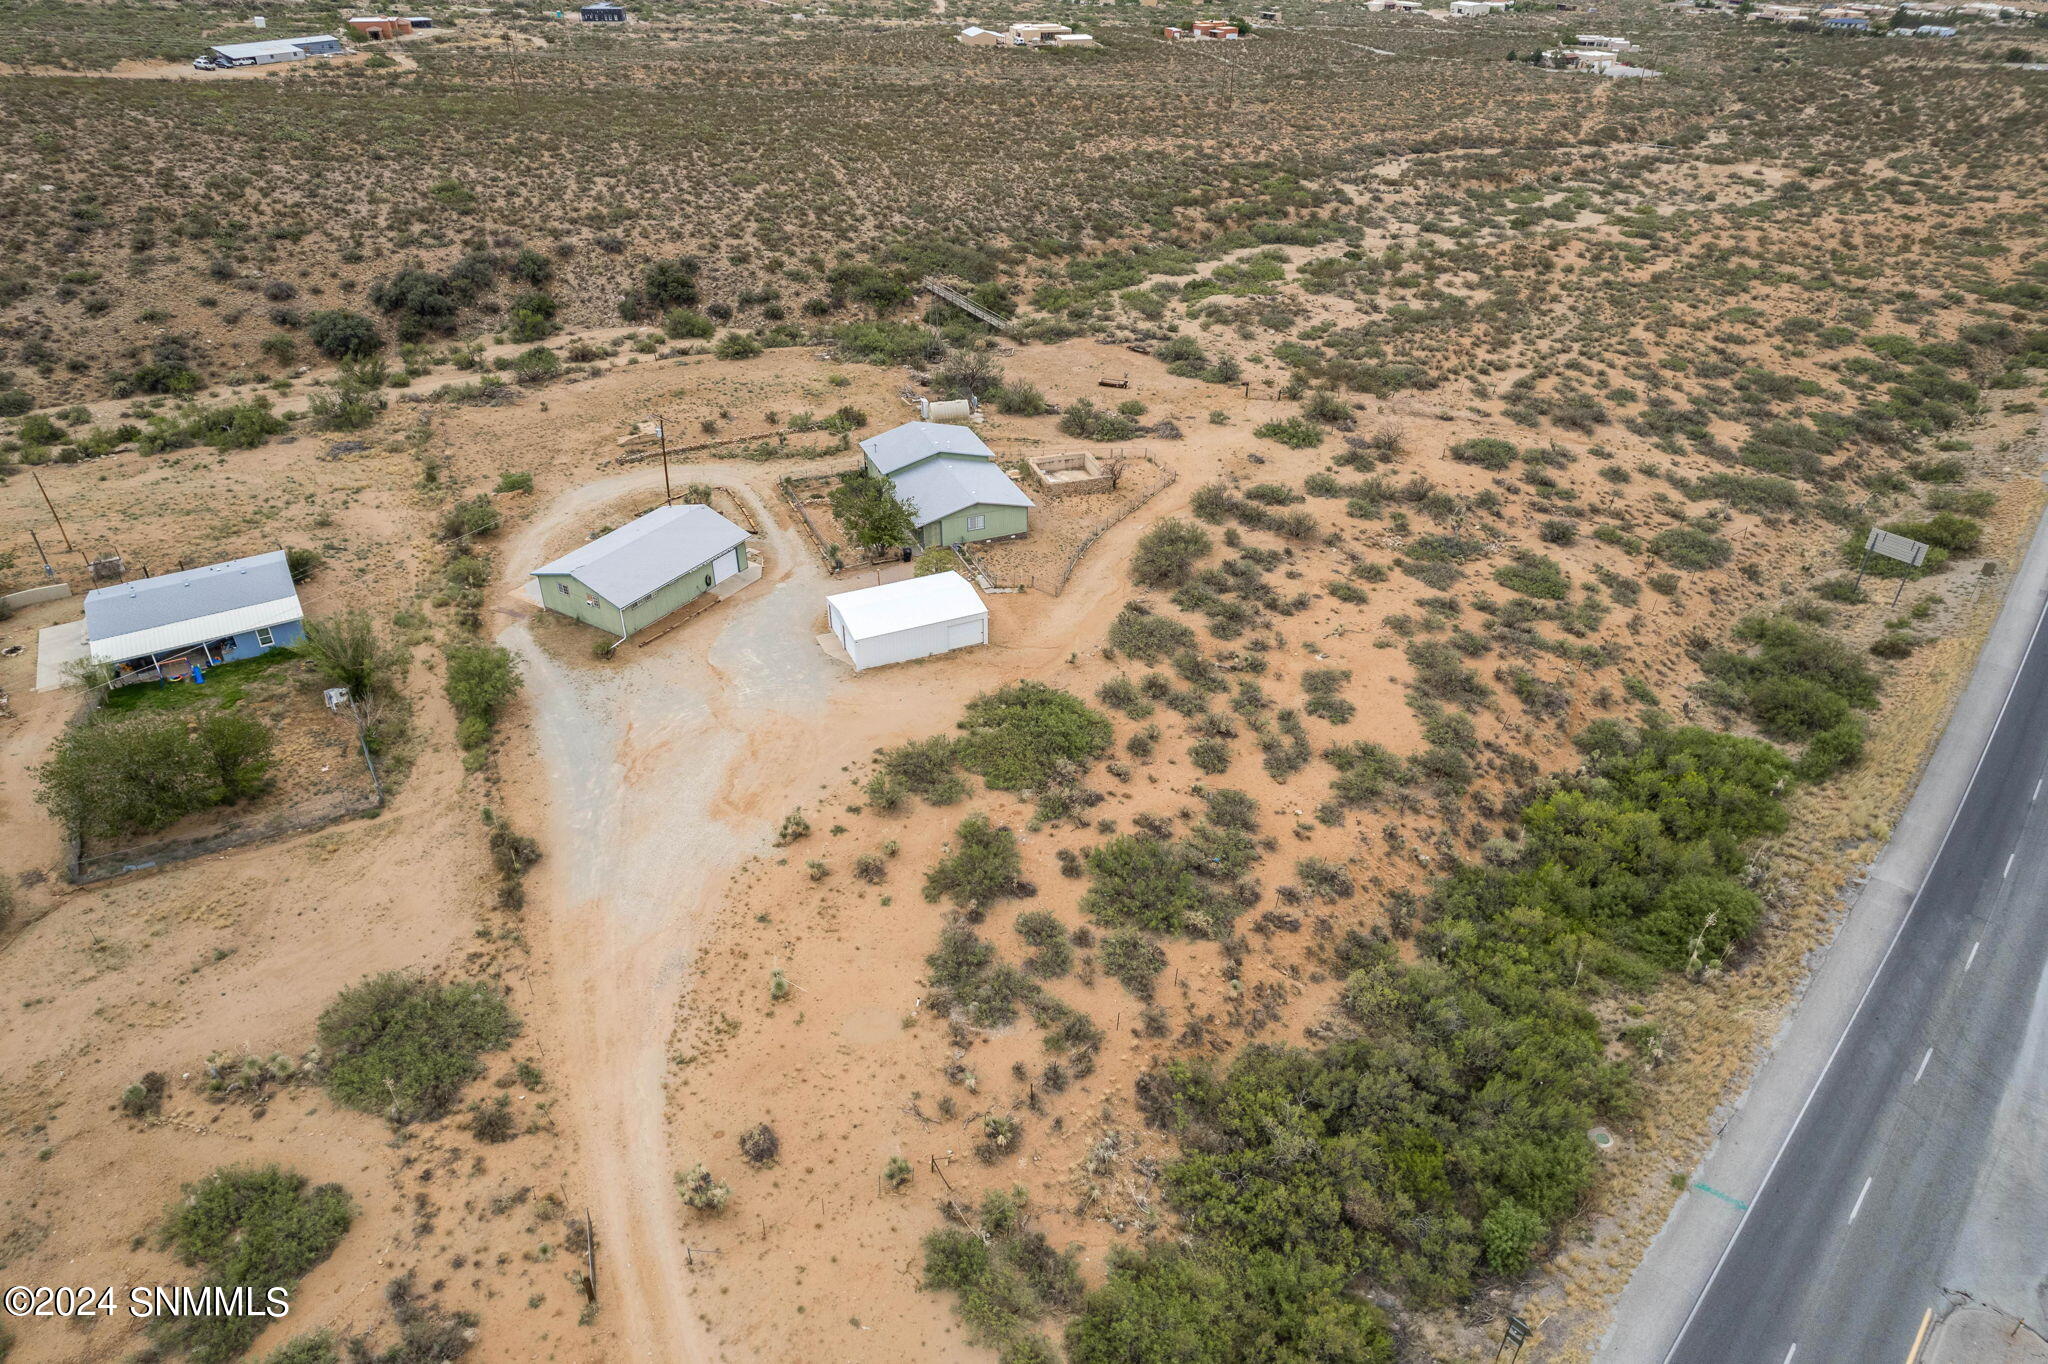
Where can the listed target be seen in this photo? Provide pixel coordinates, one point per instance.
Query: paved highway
(1859, 1224)
(1892, 1155)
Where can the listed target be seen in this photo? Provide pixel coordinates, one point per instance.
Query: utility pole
(53, 509)
(661, 431)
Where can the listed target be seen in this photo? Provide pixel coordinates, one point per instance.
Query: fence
(1074, 559)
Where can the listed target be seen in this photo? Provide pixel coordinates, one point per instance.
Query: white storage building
(915, 618)
(277, 50)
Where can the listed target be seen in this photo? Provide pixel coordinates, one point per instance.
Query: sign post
(1911, 553)
(1517, 1331)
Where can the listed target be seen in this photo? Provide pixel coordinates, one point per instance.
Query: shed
(630, 578)
(915, 618)
(981, 37)
(380, 26)
(603, 12)
(161, 626)
(419, 21)
(278, 50)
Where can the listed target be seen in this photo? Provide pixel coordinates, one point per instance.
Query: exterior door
(962, 633)
(725, 566)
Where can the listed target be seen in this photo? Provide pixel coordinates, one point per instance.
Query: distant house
(276, 50)
(980, 37)
(1470, 9)
(376, 27)
(167, 625)
(914, 618)
(1037, 34)
(655, 564)
(1846, 23)
(419, 21)
(950, 480)
(603, 12)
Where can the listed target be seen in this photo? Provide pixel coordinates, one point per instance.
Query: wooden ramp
(940, 289)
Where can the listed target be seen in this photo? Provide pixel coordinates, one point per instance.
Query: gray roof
(903, 446)
(648, 553)
(274, 46)
(173, 598)
(943, 486)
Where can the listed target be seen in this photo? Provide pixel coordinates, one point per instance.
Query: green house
(626, 580)
(950, 480)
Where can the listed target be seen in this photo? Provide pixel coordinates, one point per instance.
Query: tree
(137, 774)
(482, 679)
(872, 514)
(343, 335)
(970, 373)
(664, 284)
(346, 652)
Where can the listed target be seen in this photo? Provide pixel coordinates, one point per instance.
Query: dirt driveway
(650, 804)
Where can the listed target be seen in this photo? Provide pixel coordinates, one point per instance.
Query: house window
(976, 522)
(264, 638)
(564, 588)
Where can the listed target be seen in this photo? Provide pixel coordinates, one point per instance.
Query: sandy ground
(655, 784)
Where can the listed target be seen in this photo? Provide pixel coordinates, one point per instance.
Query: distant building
(276, 50)
(980, 37)
(167, 625)
(1610, 44)
(1845, 23)
(1470, 9)
(380, 26)
(603, 12)
(419, 21)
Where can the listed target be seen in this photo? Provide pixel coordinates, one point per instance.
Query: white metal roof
(188, 596)
(930, 600)
(272, 47)
(648, 553)
(186, 633)
(940, 487)
(901, 446)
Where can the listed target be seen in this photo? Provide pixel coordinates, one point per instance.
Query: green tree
(343, 335)
(872, 514)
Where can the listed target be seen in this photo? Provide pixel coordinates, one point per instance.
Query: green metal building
(626, 580)
(950, 480)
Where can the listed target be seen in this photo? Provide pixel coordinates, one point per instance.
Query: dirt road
(649, 809)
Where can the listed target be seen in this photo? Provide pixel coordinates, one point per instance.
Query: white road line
(1923, 1065)
(1793, 1351)
(1870, 986)
(2037, 788)
(2008, 863)
(1859, 1206)
(1973, 955)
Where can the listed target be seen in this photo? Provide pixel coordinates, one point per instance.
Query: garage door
(962, 633)
(728, 564)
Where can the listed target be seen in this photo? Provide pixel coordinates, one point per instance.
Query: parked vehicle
(204, 64)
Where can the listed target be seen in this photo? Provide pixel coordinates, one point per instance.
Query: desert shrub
(1297, 433)
(1488, 452)
(1120, 693)
(1027, 735)
(1440, 673)
(145, 1098)
(737, 346)
(1132, 960)
(1007, 1277)
(253, 1228)
(405, 1047)
(760, 1145)
(981, 869)
(967, 979)
(345, 651)
(1167, 554)
(1210, 755)
(1533, 575)
(480, 681)
(1141, 882)
(1228, 809)
(1052, 954)
(1364, 772)
(343, 335)
(1019, 399)
(118, 775)
(699, 1190)
(1792, 678)
(1085, 421)
(1145, 635)
(1163, 1304)
(1690, 547)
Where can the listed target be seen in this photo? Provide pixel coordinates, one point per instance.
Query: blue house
(164, 626)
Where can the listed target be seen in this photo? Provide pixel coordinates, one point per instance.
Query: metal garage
(915, 618)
